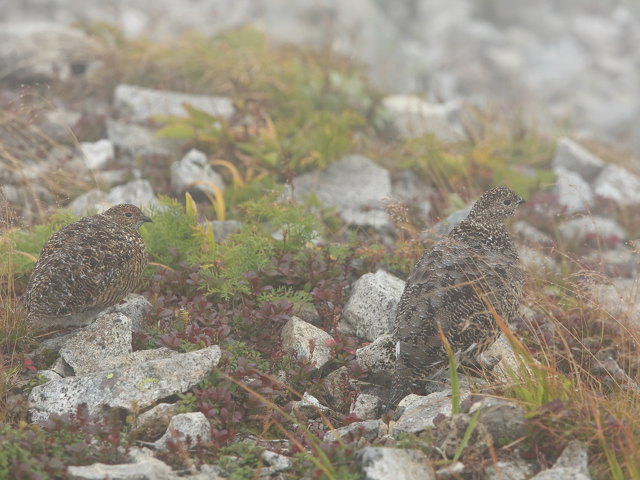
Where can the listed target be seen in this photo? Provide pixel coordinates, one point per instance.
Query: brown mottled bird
(86, 267)
(453, 287)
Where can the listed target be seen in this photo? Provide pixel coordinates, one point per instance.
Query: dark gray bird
(453, 287)
(86, 267)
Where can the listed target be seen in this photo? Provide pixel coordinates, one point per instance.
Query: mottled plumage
(453, 287)
(87, 266)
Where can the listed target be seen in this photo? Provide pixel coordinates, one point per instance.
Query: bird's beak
(521, 201)
(147, 219)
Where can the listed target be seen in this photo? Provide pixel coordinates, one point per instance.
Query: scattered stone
(60, 123)
(379, 358)
(371, 308)
(503, 360)
(33, 52)
(223, 228)
(589, 227)
(505, 421)
(420, 411)
(135, 307)
(88, 203)
(138, 141)
(366, 406)
(109, 336)
(98, 154)
(619, 185)
(451, 430)
(512, 469)
(453, 471)
(194, 174)
(278, 462)
(137, 192)
(572, 156)
(189, 428)
(571, 465)
(155, 421)
(338, 385)
(574, 193)
(369, 429)
(306, 342)
(534, 261)
(146, 469)
(138, 103)
(383, 463)
(143, 383)
(413, 117)
(309, 406)
(355, 186)
(531, 234)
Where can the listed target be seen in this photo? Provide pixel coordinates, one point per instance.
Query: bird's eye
(507, 202)
(128, 214)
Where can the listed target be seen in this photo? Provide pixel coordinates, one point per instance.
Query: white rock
(618, 184)
(187, 427)
(572, 156)
(379, 356)
(137, 192)
(89, 202)
(309, 406)
(366, 406)
(140, 103)
(306, 342)
(414, 117)
(109, 336)
(534, 261)
(384, 463)
(354, 185)
(574, 193)
(369, 429)
(371, 308)
(280, 463)
(97, 154)
(138, 141)
(135, 307)
(581, 228)
(143, 383)
(191, 169)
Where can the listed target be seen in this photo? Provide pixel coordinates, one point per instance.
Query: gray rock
(530, 234)
(138, 141)
(339, 386)
(420, 411)
(143, 383)
(411, 190)
(618, 184)
(366, 406)
(572, 156)
(306, 342)
(49, 375)
(619, 299)
(453, 471)
(505, 364)
(193, 168)
(137, 357)
(188, 428)
(109, 336)
(135, 307)
(98, 154)
(309, 406)
(512, 469)
(223, 228)
(414, 117)
(445, 226)
(155, 421)
(582, 228)
(138, 103)
(505, 421)
(535, 261)
(573, 192)
(44, 51)
(371, 308)
(369, 429)
(383, 463)
(379, 357)
(137, 192)
(89, 202)
(574, 456)
(60, 123)
(148, 469)
(354, 185)
(278, 462)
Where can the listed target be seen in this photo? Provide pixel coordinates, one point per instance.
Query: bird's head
(496, 204)
(127, 214)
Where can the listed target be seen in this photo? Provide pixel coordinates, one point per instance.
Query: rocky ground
(289, 200)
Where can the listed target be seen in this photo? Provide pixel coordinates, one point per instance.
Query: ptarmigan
(87, 266)
(451, 288)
